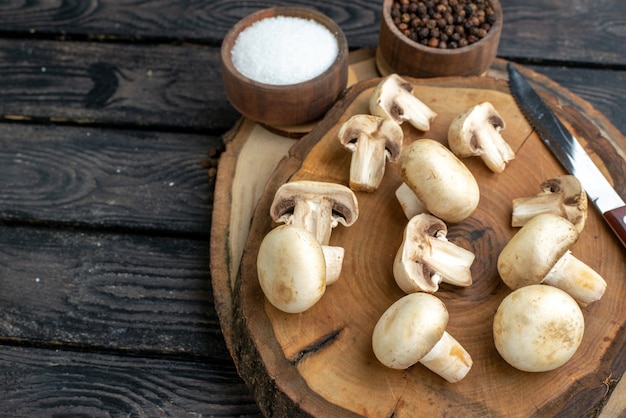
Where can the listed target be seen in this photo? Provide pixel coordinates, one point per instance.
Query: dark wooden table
(111, 122)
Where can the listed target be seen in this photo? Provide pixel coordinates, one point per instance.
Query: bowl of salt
(284, 66)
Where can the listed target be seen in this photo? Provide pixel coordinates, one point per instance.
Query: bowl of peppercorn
(284, 66)
(438, 38)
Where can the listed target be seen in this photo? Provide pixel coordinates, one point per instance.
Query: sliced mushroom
(393, 98)
(538, 328)
(317, 207)
(561, 195)
(373, 140)
(540, 253)
(476, 132)
(413, 330)
(438, 180)
(426, 258)
(291, 268)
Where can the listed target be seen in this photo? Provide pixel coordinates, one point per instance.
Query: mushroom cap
(291, 268)
(345, 208)
(439, 179)
(536, 247)
(538, 328)
(409, 329)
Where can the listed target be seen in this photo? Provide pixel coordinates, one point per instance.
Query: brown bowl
(397, 53)
(292, 104)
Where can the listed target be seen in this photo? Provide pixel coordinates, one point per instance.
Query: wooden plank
(101, 291)
(202, 21)
(534, 29)
(159, 86)
(136, 180)
(38, 382)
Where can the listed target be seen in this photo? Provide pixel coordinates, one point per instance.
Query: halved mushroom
(561, 195)
(539, 253)
(373, 140)
(317, 207)
(436, 180)
(291, 268)
(426, 257)
(412, 330)
(393, 98)
(538, 328)
(476, 132)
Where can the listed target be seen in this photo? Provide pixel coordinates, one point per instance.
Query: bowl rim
(494, 31)
(289, 11)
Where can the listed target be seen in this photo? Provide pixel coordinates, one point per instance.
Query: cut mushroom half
(393, 98)
(291, 268)
(476, 132)
(435, 180)
(426, 257)
(317, 207)
(561, 195)
(373, 140)
(540, 253)
(412, 330)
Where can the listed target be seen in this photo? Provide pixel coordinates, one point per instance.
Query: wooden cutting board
(320, 362)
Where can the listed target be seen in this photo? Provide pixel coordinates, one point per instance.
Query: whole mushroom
(426, 257)
(393, 98)
(540, 253)
(538, 328)
(373, 140)
(412, 330)
(317, 207)
(435, 180)
(291, 268)
(476, 132)
(561, 195)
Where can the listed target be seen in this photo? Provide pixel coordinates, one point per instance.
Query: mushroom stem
(333, 255)
(449, 261)
(577, 279)
(415, 111)
(367, 166)
(526, 208)
(497, 152)
(448, 359)
(411, 205)
(315, 215)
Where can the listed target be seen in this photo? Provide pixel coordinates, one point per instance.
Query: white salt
(284, 50)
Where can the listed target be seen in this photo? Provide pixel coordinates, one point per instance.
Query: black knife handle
(616, 218)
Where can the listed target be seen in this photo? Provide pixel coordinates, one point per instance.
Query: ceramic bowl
(290, 104)
(397, 53)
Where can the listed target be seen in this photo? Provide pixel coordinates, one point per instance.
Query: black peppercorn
(443, 23)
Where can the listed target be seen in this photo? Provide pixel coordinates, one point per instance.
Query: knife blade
(569, 152)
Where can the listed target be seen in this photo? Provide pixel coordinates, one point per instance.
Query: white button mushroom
(412, 330)
(393, 98)
(317, 207)
(291, 268)
(426, 258)
(538, 328)
(539, 253)
(476, 132)
(373, 140)
(561, 195)
(435, 180)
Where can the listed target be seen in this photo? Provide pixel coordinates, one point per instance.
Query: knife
(569, 152)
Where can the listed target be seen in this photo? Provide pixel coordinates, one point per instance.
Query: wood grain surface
(334, 335)
(141, 78)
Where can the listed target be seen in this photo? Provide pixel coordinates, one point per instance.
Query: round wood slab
(320, 362)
